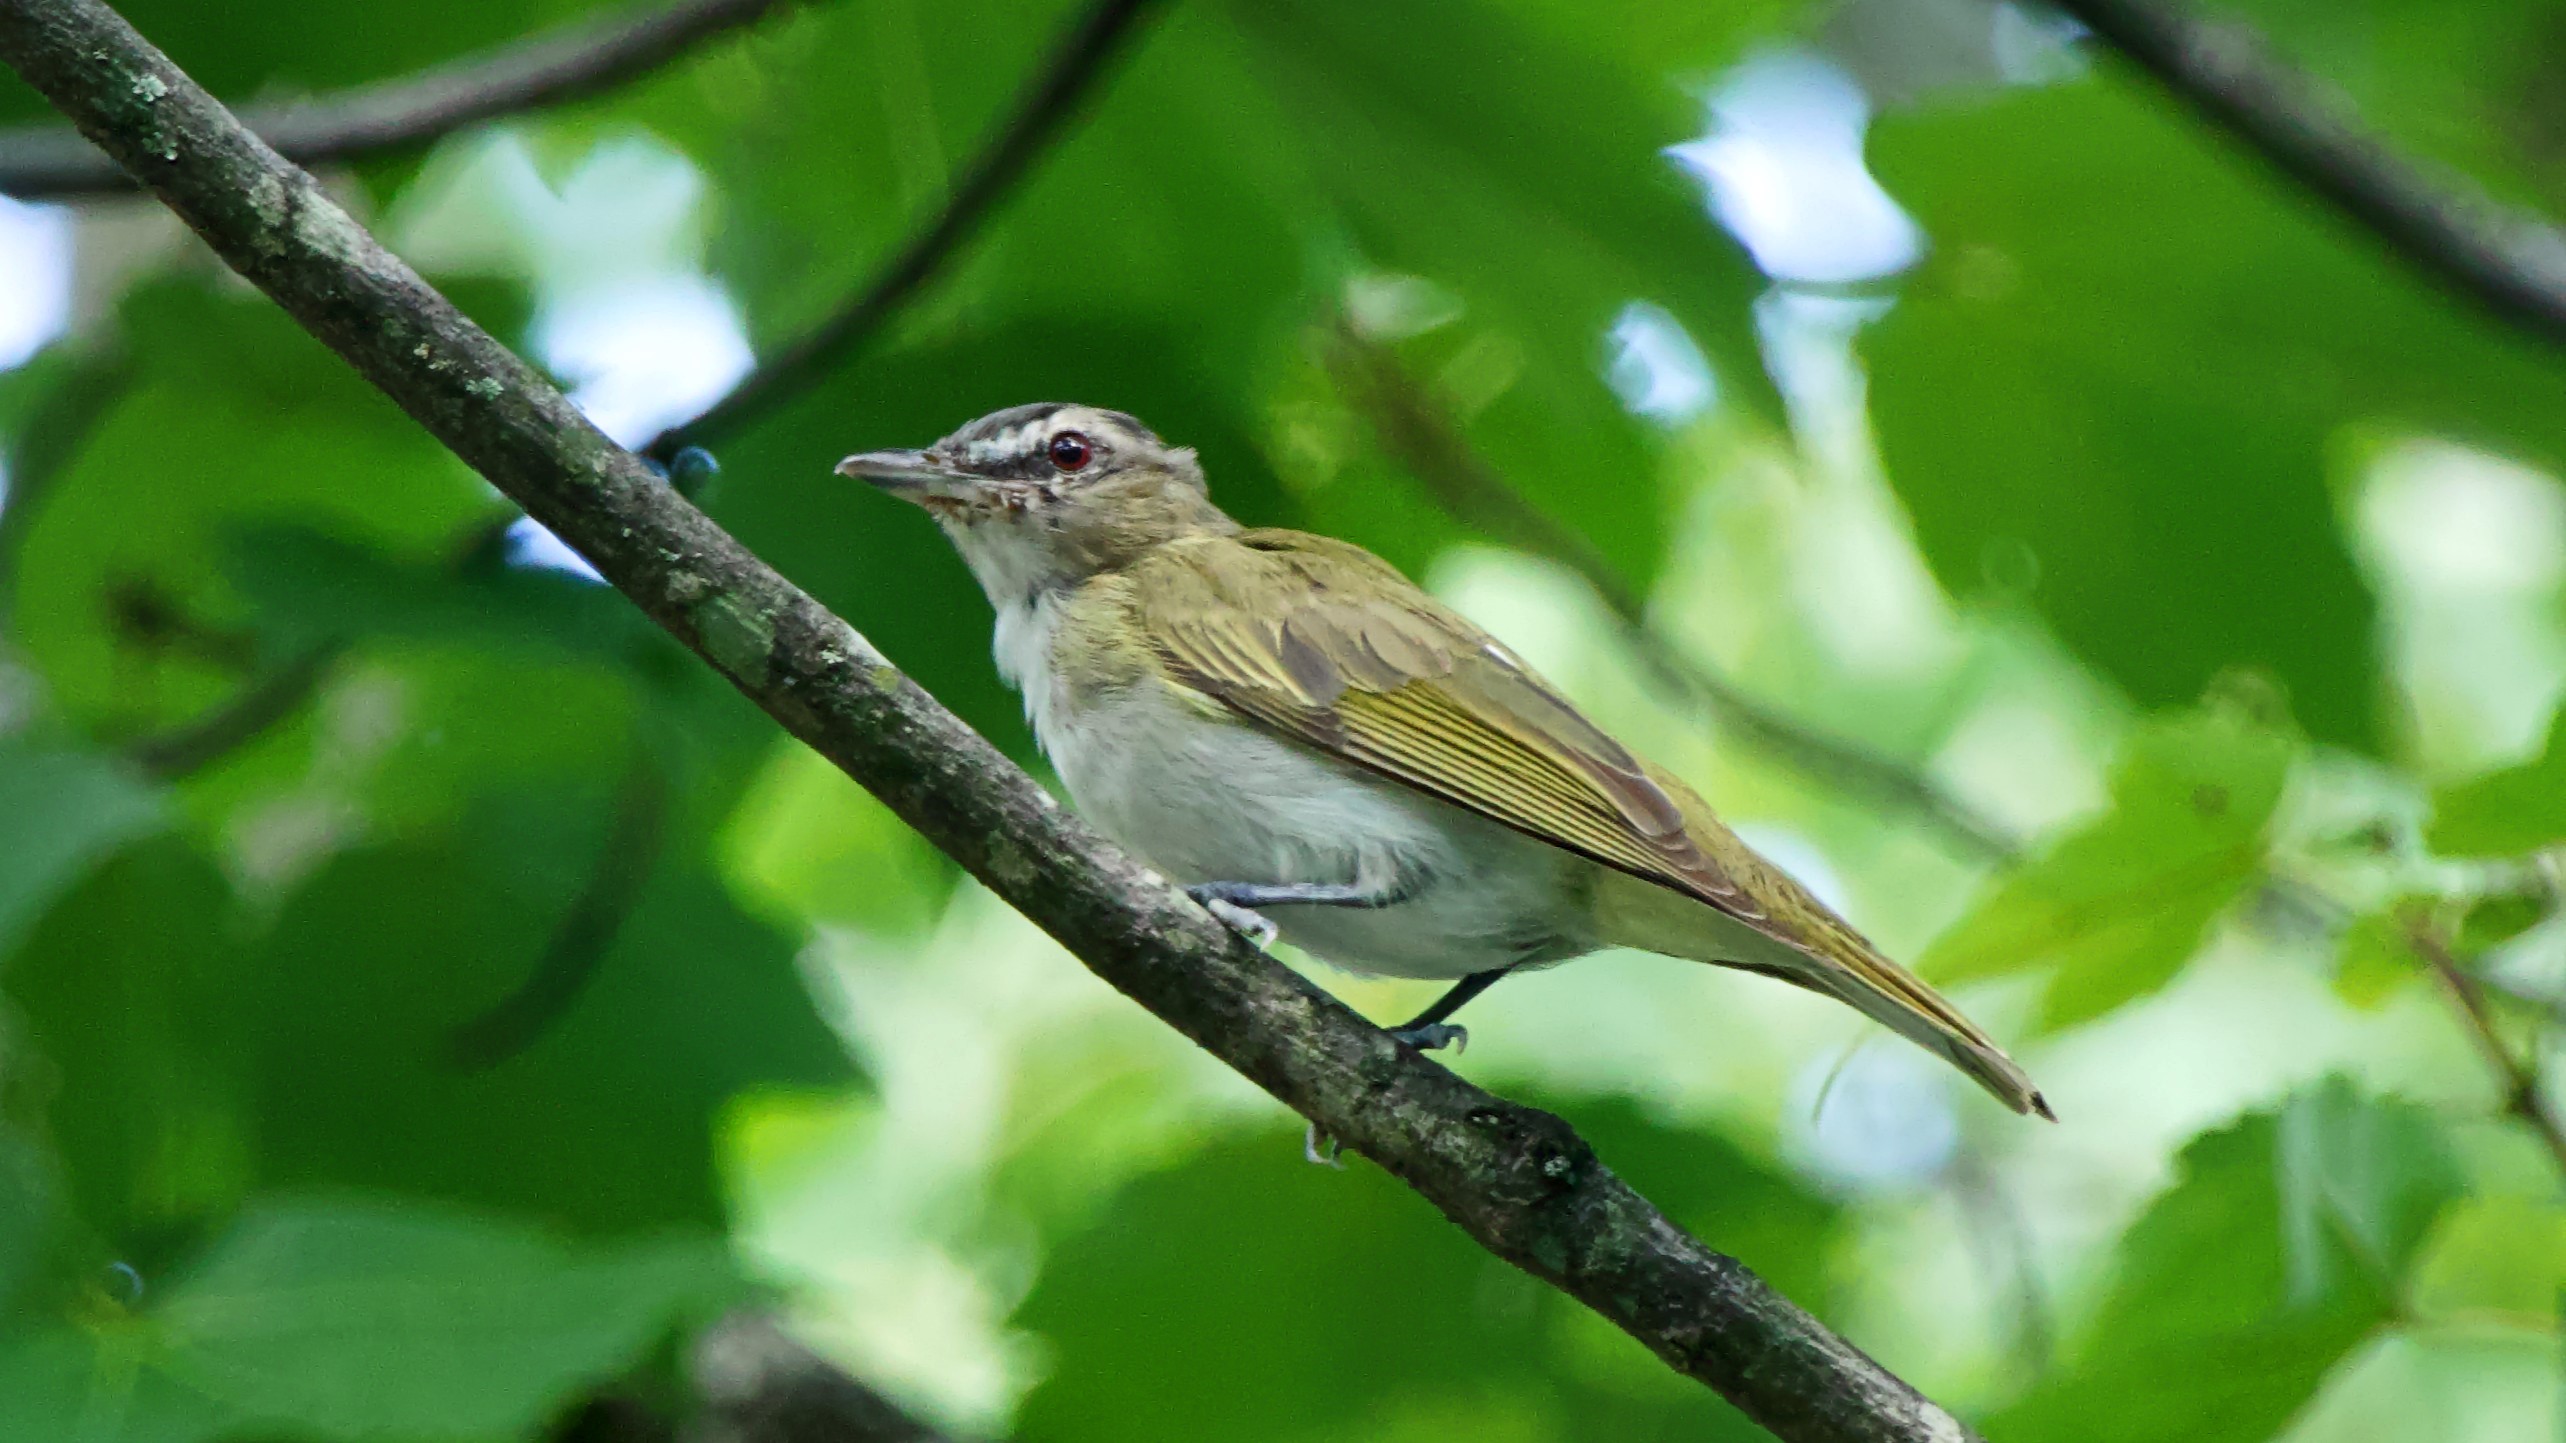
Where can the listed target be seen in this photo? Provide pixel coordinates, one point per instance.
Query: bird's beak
(913, 475)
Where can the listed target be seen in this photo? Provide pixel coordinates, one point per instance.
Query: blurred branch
(2510, 263)
(1417, 430)
(2005, 1242)
(1518, 1180)
(625, 860)
(752, 1382)
(1081, 61)
(52, 162)
(193, 745)
(613, 1417)
(198, 743)
(2519, 1078)
(756, 1384)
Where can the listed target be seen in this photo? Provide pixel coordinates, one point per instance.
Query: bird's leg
(1427, 1031)
(1236, 903)
(1318, 1147)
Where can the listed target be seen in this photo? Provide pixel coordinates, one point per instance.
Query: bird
(1311, 744)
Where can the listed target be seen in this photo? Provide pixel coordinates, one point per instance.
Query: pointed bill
(912, 475)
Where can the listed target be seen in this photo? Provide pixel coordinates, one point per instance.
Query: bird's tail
(1827, 957)
(1900, 1001)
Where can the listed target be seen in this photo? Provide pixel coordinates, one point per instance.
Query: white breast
(1204, 797)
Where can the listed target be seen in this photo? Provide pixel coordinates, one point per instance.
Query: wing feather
(1275, 626)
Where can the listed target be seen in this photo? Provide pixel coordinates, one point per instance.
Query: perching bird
(1284, 723)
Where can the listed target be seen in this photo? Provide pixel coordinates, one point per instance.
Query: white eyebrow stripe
(1028, 439)
(1007, 445)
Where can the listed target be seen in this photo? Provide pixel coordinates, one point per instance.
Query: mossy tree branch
(1516, 1179)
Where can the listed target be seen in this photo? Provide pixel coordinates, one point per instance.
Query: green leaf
(194, 1068)
(130, 991)
(1541, 237)
(2505, 813)
(2374, 960)
(30, 1214)
(1306, 1304)
(814, 845)
(2120, 387)
(377, 1320)
(2495, 920)
(2284, 1242)
(309, 586)
(2500, 1255)
(607, 1122)
(60, 812)
(101, 1385)
(2116, 907)
(235, 417)
(361, 1319)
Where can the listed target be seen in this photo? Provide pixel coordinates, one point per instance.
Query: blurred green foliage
(2113, 910)
(2284, 1240)
(2506, 813)
(1430, 1334)
(2127, 373)
(2085, 526)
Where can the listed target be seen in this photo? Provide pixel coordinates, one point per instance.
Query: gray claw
(1322, 1149)
(1435, 1038)
(1255, 926)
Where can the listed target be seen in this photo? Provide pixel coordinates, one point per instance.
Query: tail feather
(1833, 961)
(1900, 1001)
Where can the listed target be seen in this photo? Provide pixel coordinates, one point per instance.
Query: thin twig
(2005, 1242)
(1081, 61)
(2510, 263)
(580, 941)
(2519, 1078)
(52, 162)
(1518, 1180)
(1414, 428)
(199, 742)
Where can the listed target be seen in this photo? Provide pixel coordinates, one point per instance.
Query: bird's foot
(1255, 926)
(1434, 1037)
(1322, 1149)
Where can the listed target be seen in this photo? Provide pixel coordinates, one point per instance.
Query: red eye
(1071, 451)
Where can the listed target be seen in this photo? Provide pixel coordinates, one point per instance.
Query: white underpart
(1205, 798)
(1011, 566)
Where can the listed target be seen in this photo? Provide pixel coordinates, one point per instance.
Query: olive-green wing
(1294, 631)
(1325, 643)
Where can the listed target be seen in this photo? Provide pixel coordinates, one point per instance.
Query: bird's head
(1049, 494)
